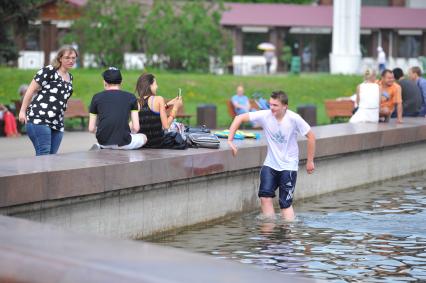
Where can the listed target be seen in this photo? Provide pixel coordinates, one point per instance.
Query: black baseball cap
(112, 76)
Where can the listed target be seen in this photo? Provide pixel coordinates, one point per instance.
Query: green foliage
(185, 35)
(203, 88)
(107, 29)
(286, 56)
(14, 19)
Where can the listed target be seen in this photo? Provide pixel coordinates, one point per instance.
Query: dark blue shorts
(271, 179)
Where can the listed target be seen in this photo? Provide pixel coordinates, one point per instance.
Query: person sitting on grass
(109, 115)
(281, 128)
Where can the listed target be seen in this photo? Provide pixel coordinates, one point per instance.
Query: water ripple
(375, 234)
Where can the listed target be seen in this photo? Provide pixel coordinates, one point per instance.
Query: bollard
(206, 115)
(309, 113)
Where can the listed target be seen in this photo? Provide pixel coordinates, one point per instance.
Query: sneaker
(95, 146)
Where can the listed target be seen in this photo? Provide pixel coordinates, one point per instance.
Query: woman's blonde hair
(369, 73)
(56, 63)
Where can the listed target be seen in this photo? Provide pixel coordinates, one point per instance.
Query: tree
(14, 19)
(106, 29)
(286, 56)
(186, 37)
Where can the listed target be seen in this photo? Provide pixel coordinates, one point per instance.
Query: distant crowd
(394, 95)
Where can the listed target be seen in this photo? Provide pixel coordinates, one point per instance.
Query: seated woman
(153, 117)
(367, 99)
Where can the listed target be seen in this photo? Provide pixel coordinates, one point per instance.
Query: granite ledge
(33, 179)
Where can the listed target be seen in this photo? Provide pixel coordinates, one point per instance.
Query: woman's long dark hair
(143, 86)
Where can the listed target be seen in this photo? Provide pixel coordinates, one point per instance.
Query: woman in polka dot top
(45, 102)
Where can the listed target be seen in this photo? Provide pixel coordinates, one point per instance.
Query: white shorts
(138, 140)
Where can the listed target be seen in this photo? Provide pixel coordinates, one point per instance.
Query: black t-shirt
(411, 96)
(49, 105)
(113, 110)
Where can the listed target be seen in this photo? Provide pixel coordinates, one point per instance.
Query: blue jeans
(45, 140)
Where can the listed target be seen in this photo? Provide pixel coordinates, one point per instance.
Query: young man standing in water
(281, 128)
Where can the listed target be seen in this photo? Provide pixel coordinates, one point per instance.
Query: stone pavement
(22, 146)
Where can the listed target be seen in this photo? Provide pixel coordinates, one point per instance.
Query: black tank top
(150, 125)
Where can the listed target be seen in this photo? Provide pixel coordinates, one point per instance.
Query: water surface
(374, 234)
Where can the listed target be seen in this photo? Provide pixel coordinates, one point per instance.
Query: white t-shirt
(283, 151)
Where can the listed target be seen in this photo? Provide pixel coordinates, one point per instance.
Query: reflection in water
(375, 234)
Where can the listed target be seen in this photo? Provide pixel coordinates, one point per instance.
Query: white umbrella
(266, 46)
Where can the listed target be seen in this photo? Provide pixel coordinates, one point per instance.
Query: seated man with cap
(109, 115)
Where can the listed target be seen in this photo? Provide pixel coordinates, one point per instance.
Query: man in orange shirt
(390, 96)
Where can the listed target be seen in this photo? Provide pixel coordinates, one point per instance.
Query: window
(366, 45)
(375, 2)
(32, 38)
(409, 46)
(251, 40)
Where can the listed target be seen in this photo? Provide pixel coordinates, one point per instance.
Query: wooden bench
(231, 109)
(76, 109)
(232, 113)
(339, 109)
(181, 116)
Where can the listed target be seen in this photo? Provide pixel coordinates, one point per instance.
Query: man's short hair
(397, 73)
(417, 70)
(281, 96)
(385, 71)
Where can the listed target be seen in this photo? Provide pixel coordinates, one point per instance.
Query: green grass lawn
(203, 88)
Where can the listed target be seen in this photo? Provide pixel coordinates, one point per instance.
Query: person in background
(281, 127)
(415, 74)
(8, 122)
(21, 91)
(110, 111)
(43, 114)
(381, 59)
(306, 59)
(390, 97)
(240, 102)
(367, 99)
(411, 95)
(269, 56)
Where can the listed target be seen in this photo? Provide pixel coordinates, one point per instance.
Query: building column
(346, 53)
(48, 39)
(238, 41)
(276, 37)
(423, 44)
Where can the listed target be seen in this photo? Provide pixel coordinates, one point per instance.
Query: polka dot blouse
(49, 105)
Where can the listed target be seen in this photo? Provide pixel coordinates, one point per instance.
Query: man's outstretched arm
(234, 127)
(310, 166)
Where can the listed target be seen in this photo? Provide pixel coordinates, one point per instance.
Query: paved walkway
(22, 146)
